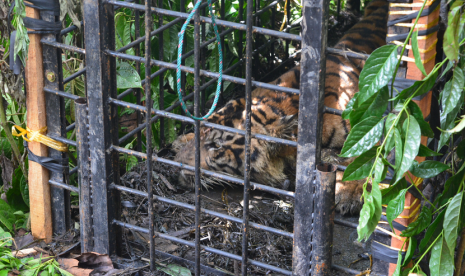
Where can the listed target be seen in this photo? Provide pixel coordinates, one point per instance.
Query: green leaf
(419, 87)
(451, 43)
(416, 52)
(391, 117)
(424, 126)
(361, 166)
(378, 70)
(131, 162)
(461, 149)
(451, 188)
(425, 151)
(420, 224)
(451, 222)
(363, 137)
(7, 218)
(392, 191)
(374, 106)
(366, 213)
(412, 144)
(349, 107)
(395, 207)
(380, 170)
(412, 245)
(458, 127)
(127, 76)
(441, 261)
(429, 168)
(451, 98)
(175, 270)
(399, 264)
(398, 147)
(433, 231)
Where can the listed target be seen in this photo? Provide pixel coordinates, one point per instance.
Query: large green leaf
(441, 261)
(395, 207)
(419, 87)
(392, 191)
(416, 52)
(363, 137)
(412, 246)
(378, 71)
(412, 135)
(423, 220)
(389, 145)
(366, 213)
(349, 107)
(451, 98)
(451, 36)
(374, 106)
(429, 168)
(424, 126)
(398, 265)
(375, 210)
(433, 231)
(361, 166)
(461, 149)
(398, 148)
(451, 188)
(451, 222)
(425, 151)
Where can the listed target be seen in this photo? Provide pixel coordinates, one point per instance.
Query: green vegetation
(402, 128)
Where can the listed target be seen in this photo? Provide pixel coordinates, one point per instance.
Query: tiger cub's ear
(287, 127)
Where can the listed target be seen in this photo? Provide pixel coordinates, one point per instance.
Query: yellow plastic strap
(38, 136)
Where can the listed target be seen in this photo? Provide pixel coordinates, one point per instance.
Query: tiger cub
(275, 114)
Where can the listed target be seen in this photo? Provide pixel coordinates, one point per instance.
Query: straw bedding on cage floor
(216, 232)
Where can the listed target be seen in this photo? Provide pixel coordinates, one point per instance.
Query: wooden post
(427, 46)
(39, 189)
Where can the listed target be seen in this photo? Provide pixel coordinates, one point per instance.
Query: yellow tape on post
(38, 136)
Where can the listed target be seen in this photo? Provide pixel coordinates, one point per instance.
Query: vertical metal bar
(203, 58)
(257, 40)
(248, 103)
(198, 185)
(56, 125)
(241, 19)
(161, 78)
(148, 130)
(103, 119)
(85, 201)
(288, 24)
(323, 219)
(272, 54)
(138, 96)
(312, 75)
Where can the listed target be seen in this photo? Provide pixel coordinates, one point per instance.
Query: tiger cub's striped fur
(275, 114)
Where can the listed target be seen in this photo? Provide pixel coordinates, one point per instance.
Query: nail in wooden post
(39, 189)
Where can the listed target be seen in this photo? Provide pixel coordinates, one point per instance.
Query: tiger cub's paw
(348, 195)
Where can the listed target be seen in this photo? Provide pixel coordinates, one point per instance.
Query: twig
(459, 257)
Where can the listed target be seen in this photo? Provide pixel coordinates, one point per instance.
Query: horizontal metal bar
(71, 127)
(63, 140)
(352, 271)
(272, 4)
(206, 211)
(204, 19)
(63, 186)
(206, 248)
(69, 29)
(225, 177)
(61, 93)
(64, 46)
(74, 75)
(203, 72)
(346, 53)
(333, 111)
(74, 170)
(206, 124)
